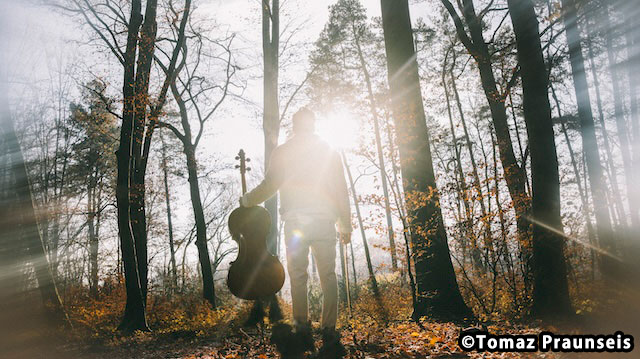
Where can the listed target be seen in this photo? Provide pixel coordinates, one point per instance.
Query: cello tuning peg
(237, 166)
(237, 157)
(248, 168)
(248, 159)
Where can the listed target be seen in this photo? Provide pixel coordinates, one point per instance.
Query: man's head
(304, 121)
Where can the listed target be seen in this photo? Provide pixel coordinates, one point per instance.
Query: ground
(185, 327)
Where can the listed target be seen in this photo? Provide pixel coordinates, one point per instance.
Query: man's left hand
(345, 238)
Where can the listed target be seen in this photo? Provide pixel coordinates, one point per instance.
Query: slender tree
(193, 90)
(271, 110)
(550, 292)
(477, 47)
(438, 294)
(354, 196)
(173, 271)
(604, 229)
(134, 314)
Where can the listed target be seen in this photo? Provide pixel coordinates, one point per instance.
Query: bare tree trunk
(383, 172)
(146, 47)
(397, 194)
(372, 276)
(604, 229)
(476, 253)
(134, 315)
(208, 290)
(574, 164)
(93, 238)
(167, 198)
(438, 294)
(189, 149)
(467, 221)
(551, 292)
(504, 246)
(271, 114)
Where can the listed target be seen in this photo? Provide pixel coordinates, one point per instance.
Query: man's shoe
(331, 346)
(292, 342)
(302, 332)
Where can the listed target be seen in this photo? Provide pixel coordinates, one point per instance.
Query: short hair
(304, 121)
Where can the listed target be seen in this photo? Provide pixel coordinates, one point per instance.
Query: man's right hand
(345, 238)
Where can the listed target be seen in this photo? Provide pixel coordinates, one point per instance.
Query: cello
(255, 273)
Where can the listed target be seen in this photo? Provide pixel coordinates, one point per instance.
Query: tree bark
(146, 47)
(208, 290)
(550, 292)
(93, 238)
(134, 315)
(189, 149)
(437, 287)
(271, 112)
(167, 198)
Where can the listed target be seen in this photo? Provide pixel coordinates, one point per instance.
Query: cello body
(255, 273)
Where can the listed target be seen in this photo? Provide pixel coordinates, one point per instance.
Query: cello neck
(244, 183)
(243, 169)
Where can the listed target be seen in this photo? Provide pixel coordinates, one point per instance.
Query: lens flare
(339, 128)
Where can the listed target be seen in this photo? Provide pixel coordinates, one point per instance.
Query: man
(313, 199)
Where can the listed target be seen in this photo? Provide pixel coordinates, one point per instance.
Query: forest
(490, 151)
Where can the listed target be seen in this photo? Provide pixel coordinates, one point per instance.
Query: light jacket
(310, 177)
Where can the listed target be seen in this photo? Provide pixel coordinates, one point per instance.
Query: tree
(550, 293)
(92, 164)
(475, 44)
(437, 287)
(604, 229)
(354, 196)
(139, 120)
(134, 313)
(189, 90)
(173, 270)
(271, 109)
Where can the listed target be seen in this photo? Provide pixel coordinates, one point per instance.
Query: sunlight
(339, 128)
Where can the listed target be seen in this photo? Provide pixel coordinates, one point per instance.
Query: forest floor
(185, 328)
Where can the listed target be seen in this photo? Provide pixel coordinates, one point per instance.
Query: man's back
(310, 178)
